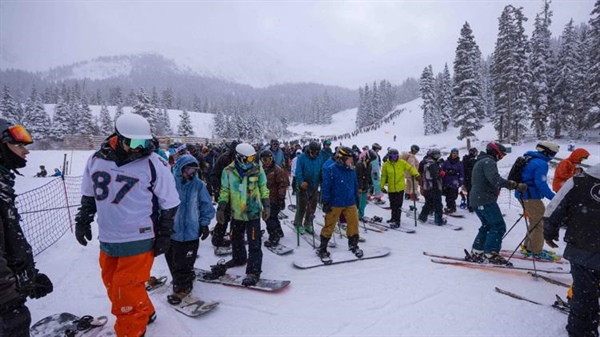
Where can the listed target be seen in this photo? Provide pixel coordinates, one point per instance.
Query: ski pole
(513, 226)
(297, 227)
(414, 198)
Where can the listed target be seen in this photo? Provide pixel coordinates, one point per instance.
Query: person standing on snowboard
(191, 223)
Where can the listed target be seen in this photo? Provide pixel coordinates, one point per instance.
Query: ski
(519, 256)
(309, 237)
(403, 229)
(549, 279)
(559, 304)
(462, 262)
(430, 221)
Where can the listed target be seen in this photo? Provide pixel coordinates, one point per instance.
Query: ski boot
(353, 246)
(216, 270)
(309, 229)
(177, 297)
(474, 256)
(495, 258)
(377, 219)
(250, 280)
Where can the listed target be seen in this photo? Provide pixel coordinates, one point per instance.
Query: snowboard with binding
(280, 249)
(156, 284)
(192, 306)
(236, 281)
(338, 257)
(222, 251)
(70, 325)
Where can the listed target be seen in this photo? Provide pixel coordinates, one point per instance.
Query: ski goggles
(17, 134)
(135, 143)
(266, 159)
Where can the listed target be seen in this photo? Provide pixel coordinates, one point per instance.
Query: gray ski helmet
(376, 146)
(314, 147)
(473, 151)
(548, 148)
(371, 155)
(434, 153)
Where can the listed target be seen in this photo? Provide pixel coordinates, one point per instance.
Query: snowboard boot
(216, 270)
(280, 232)
(322, 250)
(177, 297)
(389, 221)
(395, 224)
(273, 240)
(353, 246)
(218, 236)
(250, 280)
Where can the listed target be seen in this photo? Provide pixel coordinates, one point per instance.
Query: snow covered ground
(403, 294)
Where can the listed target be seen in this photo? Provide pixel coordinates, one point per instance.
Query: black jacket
(363, 174)
(16, 254)
(577, 206)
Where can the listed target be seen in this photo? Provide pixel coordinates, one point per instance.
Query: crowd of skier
(250, 182)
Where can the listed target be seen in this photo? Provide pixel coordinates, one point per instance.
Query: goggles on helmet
(135, 143)
(245, 159)
(17, 134)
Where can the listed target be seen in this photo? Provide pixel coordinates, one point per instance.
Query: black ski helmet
(392, 152)
(314, 147)
(266, 153)
(414, 148)
(376, 146)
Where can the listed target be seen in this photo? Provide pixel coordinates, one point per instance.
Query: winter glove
(304, 185)
(164, 230)
(205, 233)
(266, 212)
(442, 173)
(522, 188)
(512, 184)
(221, 212)
(33, 284)
(326, 208)
(83, 219)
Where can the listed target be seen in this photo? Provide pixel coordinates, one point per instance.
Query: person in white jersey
(132, 190)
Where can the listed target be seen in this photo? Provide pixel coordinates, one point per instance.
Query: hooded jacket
(535, 176)
(195, 208)
(566, 168)
(577, 206)
(244, 191)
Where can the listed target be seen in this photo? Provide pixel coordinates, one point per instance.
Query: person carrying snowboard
(340, 196)
(244, 190)
(19, 278)
(191, 223)
(133, 191)
(277, 183)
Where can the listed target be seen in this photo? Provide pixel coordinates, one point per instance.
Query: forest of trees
(543, 86)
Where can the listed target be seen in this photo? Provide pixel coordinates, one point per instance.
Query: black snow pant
(396, 200)
(254, 257)
(181, 257)
(306, 205)
(451, 194)
(583, 318)
(433, 202)
(273, 224)
(15, 320)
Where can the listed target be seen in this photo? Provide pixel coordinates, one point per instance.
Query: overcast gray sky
(345, 43)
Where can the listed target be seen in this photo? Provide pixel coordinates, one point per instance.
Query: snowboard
(193, 307)
(236, 281)
(156, 284)
(222, 251)
(280, 249)
(338, 257)
(70, 325)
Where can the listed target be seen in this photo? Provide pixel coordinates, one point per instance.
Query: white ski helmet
(133, 126)
(245, 154)
(548, 148)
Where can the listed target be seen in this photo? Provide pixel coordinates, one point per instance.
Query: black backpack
(516, 171)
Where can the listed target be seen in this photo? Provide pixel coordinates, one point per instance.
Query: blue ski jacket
(535, 175)
(309, 169)
(340, 186)
(196, 208)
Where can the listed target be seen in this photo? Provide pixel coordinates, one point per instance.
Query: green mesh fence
(48, 211)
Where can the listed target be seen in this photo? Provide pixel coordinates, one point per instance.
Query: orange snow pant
(124, 279)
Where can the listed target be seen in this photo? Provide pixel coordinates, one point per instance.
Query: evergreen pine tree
(431, 117)
(10, 108)
(106, 123)
(539, 63)
(167, 129)
(594, 71)
(144, 108)
(60, 123)
(86, 123)
(467, 93)
(185, 128)
(445, 100)
(36, 119)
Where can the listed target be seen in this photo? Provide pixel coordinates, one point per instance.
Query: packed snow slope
(403, 294)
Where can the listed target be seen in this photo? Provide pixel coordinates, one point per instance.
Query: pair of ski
(462, 261)
(190, 305)
(431, 221)
(378, 222)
